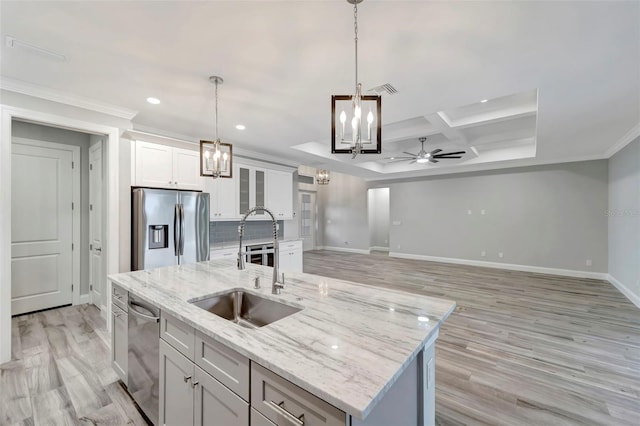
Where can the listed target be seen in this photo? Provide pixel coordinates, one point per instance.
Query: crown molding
(150, 134)
(625, 140)
(54, 95)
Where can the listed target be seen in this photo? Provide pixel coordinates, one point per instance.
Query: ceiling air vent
(386, 88)
(14, 43)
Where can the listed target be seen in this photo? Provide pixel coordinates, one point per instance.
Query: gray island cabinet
(351, 356)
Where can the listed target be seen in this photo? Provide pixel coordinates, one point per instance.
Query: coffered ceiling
(561, 79)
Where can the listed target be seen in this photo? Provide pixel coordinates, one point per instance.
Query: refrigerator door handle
(176, 230)
(181, 229)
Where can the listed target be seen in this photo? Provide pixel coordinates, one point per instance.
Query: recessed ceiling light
(484, 100)
(392, 158)
(334, 346)
(423, 319)
(240, 126)
(154, 101)
(392, 309)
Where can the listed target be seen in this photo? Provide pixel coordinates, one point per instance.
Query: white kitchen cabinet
(189, 395)
(226, 253)
(162, 166)
(251, 187)
(177, 387)
(222, 198)
(280, 194)
(290, 256)
(119, 329)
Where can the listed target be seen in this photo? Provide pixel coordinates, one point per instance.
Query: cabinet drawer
(217, 405)
(286, 404)
(291, 245)
(119, 297)
(258, 419)
(178, 334)
(226, 365)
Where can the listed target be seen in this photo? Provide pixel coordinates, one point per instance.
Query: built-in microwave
(260, 254)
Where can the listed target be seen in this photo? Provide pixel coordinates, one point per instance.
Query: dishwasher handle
(139, 314)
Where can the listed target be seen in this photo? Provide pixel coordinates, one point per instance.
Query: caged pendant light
(216, 156)
(365, 135)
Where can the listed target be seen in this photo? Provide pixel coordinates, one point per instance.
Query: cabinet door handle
(194, 384)
(280, 407)
(187, 378)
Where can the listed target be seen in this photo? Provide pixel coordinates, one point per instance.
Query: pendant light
(359, 114)
(216, 157)
(322, 177)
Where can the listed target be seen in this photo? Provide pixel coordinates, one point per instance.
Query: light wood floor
(521, 349)
(60, 373)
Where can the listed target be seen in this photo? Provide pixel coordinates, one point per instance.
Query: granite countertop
(220, 245)
(348, 344)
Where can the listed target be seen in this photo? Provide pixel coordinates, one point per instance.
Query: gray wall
(67, 137)
(342, 213)
(378, 208)
(624, 217)
(547, 216)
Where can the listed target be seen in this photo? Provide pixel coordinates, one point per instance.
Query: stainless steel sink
(246, 309)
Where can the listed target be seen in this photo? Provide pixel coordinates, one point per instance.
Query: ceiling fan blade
(435, 151)
(408, 153)
(412, 162)
(450, 153)
(443, 157)
(433, 160)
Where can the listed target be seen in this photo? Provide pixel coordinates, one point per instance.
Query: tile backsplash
(224, 232)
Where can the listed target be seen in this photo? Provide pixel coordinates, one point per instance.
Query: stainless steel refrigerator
(168, 228)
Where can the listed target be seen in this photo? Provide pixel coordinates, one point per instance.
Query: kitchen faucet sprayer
(277, 286)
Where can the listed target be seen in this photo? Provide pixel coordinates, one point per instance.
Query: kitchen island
(368, 353)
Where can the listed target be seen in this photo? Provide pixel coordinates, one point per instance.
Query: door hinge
(73, 206)
(90, 167)
(71, 246)
(73, 165)
(72, 287)
(90, 207)
(91, 287)
(90, 246)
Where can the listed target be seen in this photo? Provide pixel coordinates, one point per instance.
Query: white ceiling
(562, 78)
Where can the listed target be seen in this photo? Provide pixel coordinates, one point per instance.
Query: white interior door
(307, 219)
(96, 274)
(41, 225)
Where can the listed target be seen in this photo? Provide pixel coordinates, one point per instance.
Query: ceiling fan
(427, 157)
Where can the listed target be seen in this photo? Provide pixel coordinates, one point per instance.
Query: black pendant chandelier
(216, 156)
(356, 125)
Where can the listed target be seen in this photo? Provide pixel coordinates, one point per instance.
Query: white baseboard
(344, 249)
(634, 298)
(378, 248)
(85, 298)
(509, 266)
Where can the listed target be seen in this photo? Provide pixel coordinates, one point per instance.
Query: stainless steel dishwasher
(143, 356)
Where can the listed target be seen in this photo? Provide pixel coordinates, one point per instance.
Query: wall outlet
(469, 212)
(396, 222)
(589, 262)
(500, 255)
(482, 211)
(346, 243)
(483, 253)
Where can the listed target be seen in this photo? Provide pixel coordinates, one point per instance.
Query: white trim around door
(112, 212)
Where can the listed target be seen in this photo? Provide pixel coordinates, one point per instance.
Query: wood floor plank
(521, 348)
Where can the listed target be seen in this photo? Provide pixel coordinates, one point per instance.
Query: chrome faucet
(276, 285)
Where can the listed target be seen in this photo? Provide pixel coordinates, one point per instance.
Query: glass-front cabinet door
(244, 186)
(260, 190)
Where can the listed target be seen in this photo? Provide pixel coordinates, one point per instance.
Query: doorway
(44, 239)
(378, 212)
(41, 208)
(307, 219)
